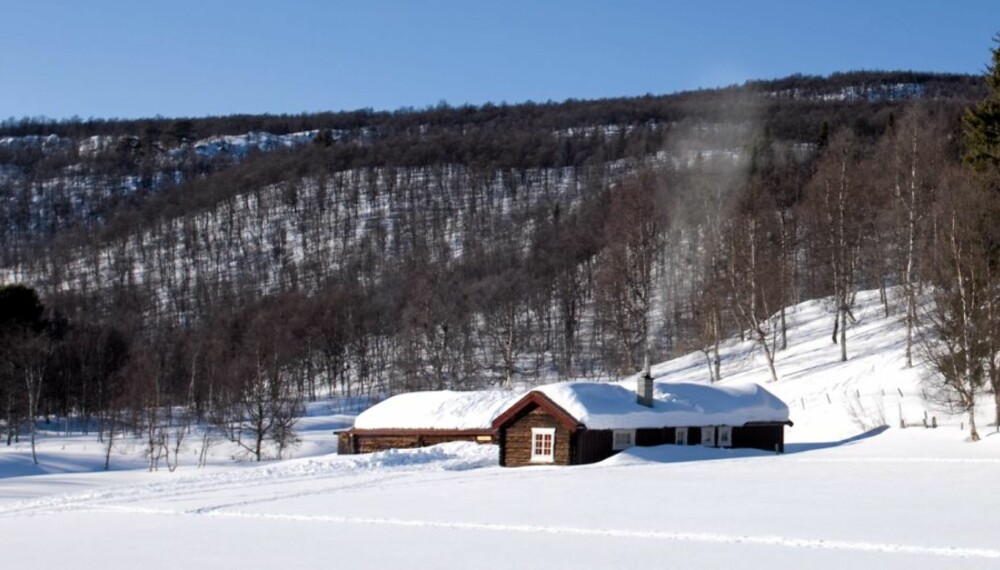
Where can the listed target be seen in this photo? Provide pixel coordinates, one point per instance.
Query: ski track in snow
(384, 482)
(136, 493)
(716, 538)
(272, 475)
(254, 478)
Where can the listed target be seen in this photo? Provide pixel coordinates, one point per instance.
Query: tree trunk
(973, 433)
(569, 334)
(843, 333)
(883, 296)
(784, 327)
(10, 419)
(911, 316)
(836, 325)
(717, 331)
(768, 353)
(34, 386)
(34, 454)
(783, 259)
(911, 222)
(966, 328)
(111, 441)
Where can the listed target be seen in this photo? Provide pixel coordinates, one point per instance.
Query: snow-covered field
(840, 497)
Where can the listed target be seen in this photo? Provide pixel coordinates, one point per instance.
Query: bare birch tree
(957, 345)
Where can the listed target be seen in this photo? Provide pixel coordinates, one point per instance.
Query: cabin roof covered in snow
(443, 409)
(675, 404)
(597, 405)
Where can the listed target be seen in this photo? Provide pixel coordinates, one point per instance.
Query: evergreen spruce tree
(982, 123)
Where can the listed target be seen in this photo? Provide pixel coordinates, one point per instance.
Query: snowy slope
(829, 398)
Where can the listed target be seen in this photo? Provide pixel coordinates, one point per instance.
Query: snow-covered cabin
(417, 419)
(572, 423)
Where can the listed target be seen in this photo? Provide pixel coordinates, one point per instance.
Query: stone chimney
(644, 388)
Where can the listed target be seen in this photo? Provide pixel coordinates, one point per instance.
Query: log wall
(351, 442)
(515, 440)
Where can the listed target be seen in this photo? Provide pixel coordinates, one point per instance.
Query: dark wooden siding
(760, 437)
(596, 445)
(515, 439)
(694, 436)
(646, 437)
(593, 445)
(350, 442)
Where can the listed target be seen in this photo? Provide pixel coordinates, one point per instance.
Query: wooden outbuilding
(419, 419)
(575, 423)
(355, 440)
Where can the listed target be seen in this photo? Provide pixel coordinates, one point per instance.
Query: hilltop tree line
(549, 115)
(249, 289)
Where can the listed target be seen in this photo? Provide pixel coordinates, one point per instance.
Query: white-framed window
(543, 444)
(623, 439)
(725, 436)
(708, 436)
(681, 436)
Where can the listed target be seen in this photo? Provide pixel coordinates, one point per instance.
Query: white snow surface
(241, 144)
(675, 404)
(898, 500)
(444, 409)
(846, 494)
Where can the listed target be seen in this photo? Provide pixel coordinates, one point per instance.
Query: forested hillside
(231, 267)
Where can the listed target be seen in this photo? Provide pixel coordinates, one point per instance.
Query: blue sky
(112, 58)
